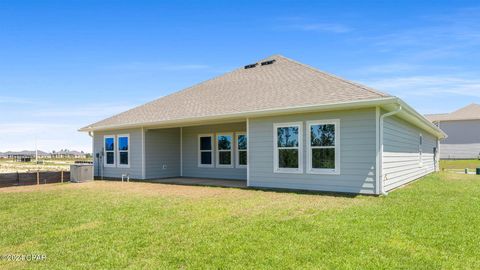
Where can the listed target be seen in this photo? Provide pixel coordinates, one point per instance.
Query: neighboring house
(463, 130)
(27, 153)
(274, 124)
(68, 154)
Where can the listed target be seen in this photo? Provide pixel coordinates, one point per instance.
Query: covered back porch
(213, 154)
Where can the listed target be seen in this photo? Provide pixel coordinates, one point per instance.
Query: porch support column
(181, 152)
(143, 154)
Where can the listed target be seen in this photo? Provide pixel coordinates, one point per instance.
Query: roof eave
(269, 112)
(422, 119)
(256, 113)
(457, 119)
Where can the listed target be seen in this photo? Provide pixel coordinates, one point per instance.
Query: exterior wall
(358, 142)
(463, 140)
(357, 153)
(460, 151)
(135, 170)
(401, 155)
(190, 153)
(162, 153)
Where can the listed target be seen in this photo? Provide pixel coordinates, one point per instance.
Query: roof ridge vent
(269, 62)
(251, 66)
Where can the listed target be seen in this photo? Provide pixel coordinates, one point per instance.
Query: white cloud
(135, 66)
(453, 34)
(54, 128)
(15, 100)
(322, 27)
(305, 24)
(47, 135)
(89, 110)
(185, 67)
(31, 127)
(428, 85)
(389, 68)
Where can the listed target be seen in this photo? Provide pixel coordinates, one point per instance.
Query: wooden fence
(32, 178)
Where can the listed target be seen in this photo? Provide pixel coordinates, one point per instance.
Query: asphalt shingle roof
(470, 112)
(284, 83)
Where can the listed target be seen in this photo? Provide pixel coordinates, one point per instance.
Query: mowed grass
(460, 164)
(433, 223)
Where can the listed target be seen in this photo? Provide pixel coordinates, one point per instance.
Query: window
(224, 150)
(109, 151)
(205, 150)
(288, 148)
(323, 147)
(123, 142)
(241, 150)
(420, 150)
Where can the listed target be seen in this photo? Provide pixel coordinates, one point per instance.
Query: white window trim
(218, 165)
(119, 151)
(276, 168)
(420, 150)
(311, 170)
(199, 163)
(237, 151)
(105, 152)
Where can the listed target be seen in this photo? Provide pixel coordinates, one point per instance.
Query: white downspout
(382, 192)
(438, 150)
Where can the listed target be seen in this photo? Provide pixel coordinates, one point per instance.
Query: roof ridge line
(336, 77)
(207, 80)
(144, 110)
(437, 113)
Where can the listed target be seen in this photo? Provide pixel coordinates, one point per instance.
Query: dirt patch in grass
(459, 164)
(11, 166)
(456, 176)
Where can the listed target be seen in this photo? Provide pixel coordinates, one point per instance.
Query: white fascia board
(422, 119)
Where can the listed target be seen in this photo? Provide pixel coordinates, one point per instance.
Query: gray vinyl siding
(162, 153)
(463, 140)
(401, 155)
(357, 153)
(460, 151)
(135, 170)
(190, 153)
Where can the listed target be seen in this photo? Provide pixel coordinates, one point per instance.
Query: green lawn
(460, 164)
(433, 223)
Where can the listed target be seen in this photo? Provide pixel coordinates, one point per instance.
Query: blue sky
(65, 64)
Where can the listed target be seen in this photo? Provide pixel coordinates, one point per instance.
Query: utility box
(81, 173)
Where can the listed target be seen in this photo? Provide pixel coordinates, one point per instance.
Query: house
(68, 154)
(463, 129)
(25, 155)
(275, 123)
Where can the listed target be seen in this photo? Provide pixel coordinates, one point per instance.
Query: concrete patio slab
(203, 182)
